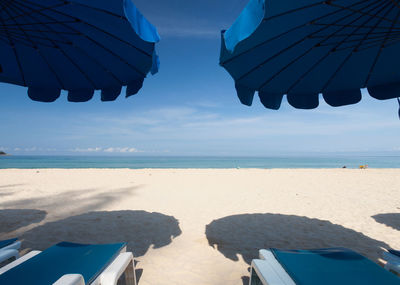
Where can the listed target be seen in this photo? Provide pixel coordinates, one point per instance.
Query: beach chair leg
(122, 264)
(254, 279)
(130, 275)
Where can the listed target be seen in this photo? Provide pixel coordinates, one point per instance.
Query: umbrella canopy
(75, 45)
(301, 48)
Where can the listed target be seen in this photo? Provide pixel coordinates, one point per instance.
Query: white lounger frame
(268, 271)
(392, 262)
(123, 263)
(10, 251)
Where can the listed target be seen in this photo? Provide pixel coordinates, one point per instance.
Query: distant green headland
(2, 153)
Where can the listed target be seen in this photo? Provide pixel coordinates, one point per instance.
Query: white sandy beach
(202, 226)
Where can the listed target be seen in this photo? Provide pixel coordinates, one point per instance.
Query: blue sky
(190, 107)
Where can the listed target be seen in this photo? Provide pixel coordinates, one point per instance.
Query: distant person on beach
(363, 166)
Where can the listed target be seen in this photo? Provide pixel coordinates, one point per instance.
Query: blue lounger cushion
(4, 243)
(60, 259)
(332, 266)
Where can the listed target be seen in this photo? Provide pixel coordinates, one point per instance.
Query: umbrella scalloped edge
(49, 95)
(311, 101)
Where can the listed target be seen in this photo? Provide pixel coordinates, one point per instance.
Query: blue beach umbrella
(75, 45)
(302, 48)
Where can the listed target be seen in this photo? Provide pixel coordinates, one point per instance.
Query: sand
(202, 226)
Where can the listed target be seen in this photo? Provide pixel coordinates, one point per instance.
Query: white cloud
(31, 149)
(106, 150)
(121, 150)
(90, 149)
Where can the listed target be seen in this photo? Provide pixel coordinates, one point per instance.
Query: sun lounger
(322, 266)
(72, 264)
(392, 258)
(9, 249)
(10, 244)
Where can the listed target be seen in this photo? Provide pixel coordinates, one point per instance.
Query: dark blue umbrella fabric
(302, 48)
(76, 45)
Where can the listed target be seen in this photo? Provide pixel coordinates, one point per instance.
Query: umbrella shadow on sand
(245, 234)
(14, 219)
(389, 219)
(140, 229)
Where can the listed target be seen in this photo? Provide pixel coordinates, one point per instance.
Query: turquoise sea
(137, 162)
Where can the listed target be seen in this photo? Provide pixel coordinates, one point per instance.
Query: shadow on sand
(245, 234)
(139, 229)
(14, 219)
(390, 219)
(72, 201)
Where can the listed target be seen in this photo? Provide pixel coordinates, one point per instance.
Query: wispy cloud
(89, 149)
(197, 129)
(106, 150)
(28, 149)
(122, 150)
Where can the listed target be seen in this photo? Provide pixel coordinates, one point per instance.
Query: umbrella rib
(308, 51)
(95, 61)
(84, 52)
(350, 26)
(354, 49)
(387, 44)
(32, 11)
(296, 10)
(115, 37)
(40, 31)
(101, 30)
(291, 46)
(357, 11)
(101, 10)
(32, 24)
(23, 33)
(100, 45)
(11, 42)
(367, 45)
(378, 55)
(284, 33)
(370, 40)
(308, 71)
(355, 34)
(37, 49)
(20, 39)
(72, 62)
